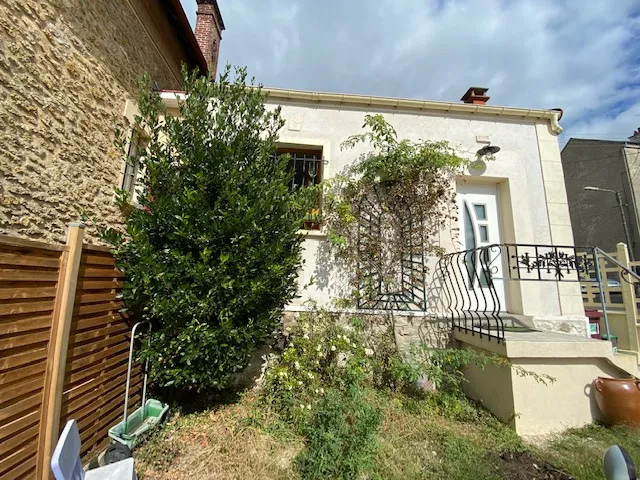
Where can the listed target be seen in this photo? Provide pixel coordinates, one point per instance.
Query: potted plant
(313, 219)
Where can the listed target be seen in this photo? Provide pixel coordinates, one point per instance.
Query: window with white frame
(132, 169)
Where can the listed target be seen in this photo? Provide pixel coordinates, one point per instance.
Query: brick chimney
(209, 27)
(476, 96)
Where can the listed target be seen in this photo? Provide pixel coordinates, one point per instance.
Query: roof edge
(191, 46)
(274, 94)
(412, 104)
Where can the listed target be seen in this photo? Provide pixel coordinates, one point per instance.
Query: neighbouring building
(595, 215)
(67, 69)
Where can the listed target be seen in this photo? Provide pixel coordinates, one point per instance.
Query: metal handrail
(619, 265)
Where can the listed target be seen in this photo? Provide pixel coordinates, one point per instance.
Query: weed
(341, 437)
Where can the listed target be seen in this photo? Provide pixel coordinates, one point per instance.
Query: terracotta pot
(619, 400)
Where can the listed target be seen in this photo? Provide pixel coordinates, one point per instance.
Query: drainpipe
(624, 222)
(633, 197)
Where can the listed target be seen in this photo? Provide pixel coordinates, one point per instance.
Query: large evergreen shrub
(212, 251)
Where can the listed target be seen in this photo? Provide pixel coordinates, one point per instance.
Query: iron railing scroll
(475, 281)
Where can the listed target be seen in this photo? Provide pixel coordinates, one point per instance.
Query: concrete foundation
(529, 406)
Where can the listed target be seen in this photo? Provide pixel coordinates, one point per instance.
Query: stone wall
(67, 68)
(409, 328)
(574, 325)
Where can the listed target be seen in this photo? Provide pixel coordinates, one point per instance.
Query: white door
(480, 227)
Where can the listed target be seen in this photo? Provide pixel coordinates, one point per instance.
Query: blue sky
(581, 56)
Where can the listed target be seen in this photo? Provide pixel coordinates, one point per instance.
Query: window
(132, 167)
(484, 233)
(476, 264)
(306, 164)
(481, 211)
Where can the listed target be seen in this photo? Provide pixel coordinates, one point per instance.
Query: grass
(226, 442)
(580, 451)
(434, 438)
(446, 439)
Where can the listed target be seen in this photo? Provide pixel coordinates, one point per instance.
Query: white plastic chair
(66, 464)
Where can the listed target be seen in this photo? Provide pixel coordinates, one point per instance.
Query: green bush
(212, 253)
(341, 437)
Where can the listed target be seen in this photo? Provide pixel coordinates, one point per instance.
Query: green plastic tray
(138, 424)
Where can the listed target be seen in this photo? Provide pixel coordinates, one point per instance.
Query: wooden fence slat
(101, 273)
(7, 275)
(16, 341)
(27, 292)
(86, 349)
(105, 381)
(23, 372)
(18, 457)
(12, 326)
(93, 322)
(19, 424)
(28, 260)
(99, 284)
(97, 308)
(96, 248)
(81, 410)
(80, 373)
(94, 297)
(21, 388)
(80, 357)
(23, 243)
(25, 469)
(27, 307)
(115, 329)
(15, 441)
(97, 259)
(25, 404)
(23, 358)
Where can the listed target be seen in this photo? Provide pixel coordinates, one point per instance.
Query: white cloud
(582, 57)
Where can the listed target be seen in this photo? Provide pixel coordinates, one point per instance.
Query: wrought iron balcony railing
(474, 282)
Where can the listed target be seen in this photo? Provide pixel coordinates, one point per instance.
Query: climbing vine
(383, 213)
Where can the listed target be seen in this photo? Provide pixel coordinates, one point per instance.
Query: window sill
(313, 233)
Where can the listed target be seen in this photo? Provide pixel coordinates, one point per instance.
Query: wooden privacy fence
(63, 349)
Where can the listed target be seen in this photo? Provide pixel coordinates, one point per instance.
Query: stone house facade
(67, 69)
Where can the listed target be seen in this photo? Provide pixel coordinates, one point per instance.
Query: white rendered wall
(531, 190)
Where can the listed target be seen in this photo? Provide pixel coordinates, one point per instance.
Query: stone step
(628, 361)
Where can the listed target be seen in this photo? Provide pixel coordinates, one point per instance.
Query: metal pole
(602, 299)
(624, 225)
(126, 389)
(128, 384)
